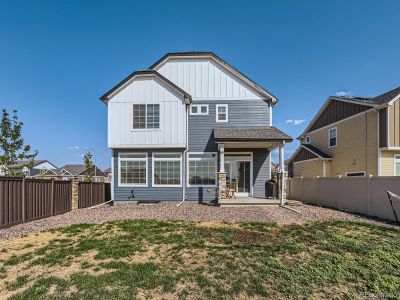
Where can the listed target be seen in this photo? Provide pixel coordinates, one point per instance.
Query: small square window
(308, 140)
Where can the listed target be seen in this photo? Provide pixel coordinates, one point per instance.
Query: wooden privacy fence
(364, 195)
(93, 193)
(23, 200)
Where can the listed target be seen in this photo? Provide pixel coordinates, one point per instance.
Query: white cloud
(344, 93)
(73, 147)
(295, 121)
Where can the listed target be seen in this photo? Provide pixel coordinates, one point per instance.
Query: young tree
(87, 160)
(12, 148)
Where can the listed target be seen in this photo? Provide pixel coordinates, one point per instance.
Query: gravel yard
(186, 212)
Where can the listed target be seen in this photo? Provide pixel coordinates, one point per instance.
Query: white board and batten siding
(206, 79)
(147, 90)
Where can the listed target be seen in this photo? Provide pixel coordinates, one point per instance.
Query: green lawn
(147, 259)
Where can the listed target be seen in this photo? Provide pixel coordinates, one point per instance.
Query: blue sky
(58, 57)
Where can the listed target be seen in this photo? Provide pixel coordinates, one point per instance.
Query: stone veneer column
(221, 185)
(75, 194)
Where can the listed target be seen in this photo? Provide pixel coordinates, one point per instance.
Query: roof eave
(108, 95)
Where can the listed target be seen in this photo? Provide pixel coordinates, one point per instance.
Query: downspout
(184, 160)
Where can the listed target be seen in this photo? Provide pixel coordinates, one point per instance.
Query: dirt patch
(249, 237)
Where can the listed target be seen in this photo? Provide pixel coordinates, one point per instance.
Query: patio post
(282, 171)
(221, 173)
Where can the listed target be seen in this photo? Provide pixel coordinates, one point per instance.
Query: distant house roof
(107, 171)
(23, 163)
(250, 134)
(79, 170)
(111, 92)
(222, 62)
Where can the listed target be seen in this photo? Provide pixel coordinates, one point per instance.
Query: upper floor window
(199, 109)
(146, 116)
(308, 140)
(222, 113)
(332, 137)
(397, 165)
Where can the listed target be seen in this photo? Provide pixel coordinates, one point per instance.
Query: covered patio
(245, 164)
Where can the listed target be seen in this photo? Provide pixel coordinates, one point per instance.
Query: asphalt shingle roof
(316, 151)
(250, 134)
(22, 163)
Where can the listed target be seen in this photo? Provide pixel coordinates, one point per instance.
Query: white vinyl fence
(364, 195)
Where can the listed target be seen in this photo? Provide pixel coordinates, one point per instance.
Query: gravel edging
(188, 212)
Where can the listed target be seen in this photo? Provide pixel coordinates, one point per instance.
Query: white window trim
(352, 172)
(329, 137)
(187, 169)
(170, 159)
(199, 113)
(308, 140)
(132, 159)
(395, 160)
(216, 113)
(145, 118)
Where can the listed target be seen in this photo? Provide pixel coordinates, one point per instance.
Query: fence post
(52, 197)
(317, 190)
(339, 195)
(91, 193)
(104, 192)
(75, 194)
(301, 195)
(23, 200)
(369, 194)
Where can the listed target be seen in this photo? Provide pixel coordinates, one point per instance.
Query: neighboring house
(108, 172)
(191, 116)
(38, 167)
(352, 136)
(77, 171)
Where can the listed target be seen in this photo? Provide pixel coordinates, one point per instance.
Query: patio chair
(394, 203)
(231, 190)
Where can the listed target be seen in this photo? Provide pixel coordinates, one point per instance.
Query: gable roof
(376, 102)
(386, 97)
(128, 79)
(78, 170)
(223, 63)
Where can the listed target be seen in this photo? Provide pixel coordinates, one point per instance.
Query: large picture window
(146, 116)
(202, 169)
(132, 169)
(167, 169)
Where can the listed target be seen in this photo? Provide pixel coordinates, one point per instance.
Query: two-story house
(352, 136)
(186, 126)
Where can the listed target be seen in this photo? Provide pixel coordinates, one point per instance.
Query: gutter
(184, 160)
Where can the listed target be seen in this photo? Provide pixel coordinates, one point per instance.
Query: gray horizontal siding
(148, 193)
(246, 113)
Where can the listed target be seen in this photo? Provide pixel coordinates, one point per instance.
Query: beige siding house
(351, 137)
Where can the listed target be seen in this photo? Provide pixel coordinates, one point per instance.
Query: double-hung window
(202, 169)
(221, 113)
(146, 116)
(132, 169)
(199, 109)
(397, 165)
(332, 137)
(167, 169)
